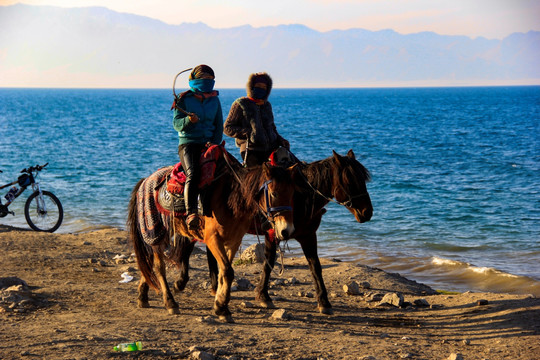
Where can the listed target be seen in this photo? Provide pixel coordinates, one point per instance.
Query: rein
(227, 161)
(347, 203)
(267, 213)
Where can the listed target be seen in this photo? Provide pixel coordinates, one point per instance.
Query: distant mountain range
(94, 46)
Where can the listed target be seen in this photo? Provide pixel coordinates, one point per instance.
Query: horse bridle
(270, 210)
(347, 203)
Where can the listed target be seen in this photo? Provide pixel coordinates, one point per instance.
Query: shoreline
(74, 306)
(441, 274)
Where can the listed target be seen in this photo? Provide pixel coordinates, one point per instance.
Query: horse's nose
(366, 214)
(285, 234)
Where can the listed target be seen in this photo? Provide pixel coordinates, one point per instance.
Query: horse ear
(351, 154)
(336, 157)
(294, 170)
(298, 179)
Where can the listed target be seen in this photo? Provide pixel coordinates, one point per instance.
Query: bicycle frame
(30, 179)
(34, 184)
(11, 183)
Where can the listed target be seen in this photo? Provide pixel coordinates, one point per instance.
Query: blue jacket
(209, 128)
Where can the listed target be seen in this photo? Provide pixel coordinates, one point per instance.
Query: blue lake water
(456, 180)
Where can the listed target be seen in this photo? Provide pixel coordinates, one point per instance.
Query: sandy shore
(72, 306)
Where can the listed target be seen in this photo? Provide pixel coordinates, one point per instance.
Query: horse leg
(168, 300)
(223, 294)
(309, 246)
(142, 299)
(213, 269)
(225, 279)
(186, 248)
(261, 291)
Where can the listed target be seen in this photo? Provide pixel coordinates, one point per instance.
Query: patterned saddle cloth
(160, 195)
(153, 223)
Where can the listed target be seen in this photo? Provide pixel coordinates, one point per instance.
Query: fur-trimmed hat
(256, 78)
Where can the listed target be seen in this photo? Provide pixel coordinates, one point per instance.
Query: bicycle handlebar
(34, 168)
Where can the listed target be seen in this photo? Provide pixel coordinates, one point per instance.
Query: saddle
(171, 191)
(171, 202)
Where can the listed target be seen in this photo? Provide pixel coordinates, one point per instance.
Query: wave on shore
(453, 275)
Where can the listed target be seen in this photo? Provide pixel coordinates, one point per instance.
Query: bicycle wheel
(43, 213)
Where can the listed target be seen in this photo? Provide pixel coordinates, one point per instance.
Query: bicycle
(43, 211)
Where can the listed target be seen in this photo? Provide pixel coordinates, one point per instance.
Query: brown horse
(234, 197)
(338, 178)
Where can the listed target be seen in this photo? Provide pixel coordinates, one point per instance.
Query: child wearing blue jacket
(199, 120)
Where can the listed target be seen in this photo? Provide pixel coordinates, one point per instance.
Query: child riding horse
(235, 197)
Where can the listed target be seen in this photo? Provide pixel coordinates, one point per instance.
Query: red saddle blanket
(176, 182)
(208, 164)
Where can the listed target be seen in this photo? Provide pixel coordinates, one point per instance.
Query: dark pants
(190, 155)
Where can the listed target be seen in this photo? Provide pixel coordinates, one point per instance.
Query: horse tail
(143, 252)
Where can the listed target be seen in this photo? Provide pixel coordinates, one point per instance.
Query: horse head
(349, 186)
(276, 198)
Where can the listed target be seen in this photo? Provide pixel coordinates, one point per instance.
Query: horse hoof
(173, 311)
(226, 318)
(143, 304)
(180, 285)
(267, 304)
(326, 310)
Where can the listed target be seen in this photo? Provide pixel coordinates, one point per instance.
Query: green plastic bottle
(134, 346)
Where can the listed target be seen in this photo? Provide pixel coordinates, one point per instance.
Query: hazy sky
(493, 19)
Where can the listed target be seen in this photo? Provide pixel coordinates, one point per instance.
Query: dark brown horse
(338, 178)
(341, 178)
(234, 198)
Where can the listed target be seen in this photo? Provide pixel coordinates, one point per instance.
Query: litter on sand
(126, 277)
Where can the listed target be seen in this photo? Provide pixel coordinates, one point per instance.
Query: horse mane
(244, 195)
(357, 169)
(319, 172)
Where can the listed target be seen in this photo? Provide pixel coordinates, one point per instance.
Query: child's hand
(193, 118)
